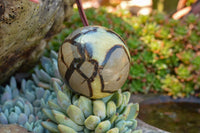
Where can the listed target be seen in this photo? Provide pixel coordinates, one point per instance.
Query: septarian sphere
(94, 61)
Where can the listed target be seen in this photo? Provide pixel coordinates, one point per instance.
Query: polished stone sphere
(94, 61)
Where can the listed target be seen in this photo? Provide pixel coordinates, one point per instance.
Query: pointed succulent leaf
(113, 130)
(63, 100)
(110, 109)
(43, 103)
(121, 125)
(53, 54)
(7, 105)
(85, 104)
(47, 65)
(28, 126)
(85, 130)
(22, 119)
(3, 118)
(62, 119)
(49, 114)
(103, 127)
(20, 103)
(92, 121)
(37, 103)
(106, 99)
(6, 112)
(27, 110)
(114, 117)
(30, 107)
(67, 91)
(127, 130)
(134, 110)
(15, 93)
(45, 76)
(40, 115)
(23, 85)
(17, 110)
(76, 114)
(52, 127)
(30, 96)
(6, 96)
(123, 105)
(31, 118)
(99, 109)
(56, 86)
(55, 106)
(57, 80)
(128, 95)
(117, 98)
(29, 85)
(134, 125)
(55, 68)
(46, 95)
(8, 89)
(37, 72)
(38, 129)
(75, 99)
(13, 83)
(43, 85)
(35, 79)
(129, 123)
(65, 129)
(39, 92)
(125, 113)
(12, 118)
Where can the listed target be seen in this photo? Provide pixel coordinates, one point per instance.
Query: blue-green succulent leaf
(13, 118)
(22, 119)
(3, 118)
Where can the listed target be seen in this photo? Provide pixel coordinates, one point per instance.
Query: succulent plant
(47, 97)
(15, 108)
(25, 107)
(74, 113)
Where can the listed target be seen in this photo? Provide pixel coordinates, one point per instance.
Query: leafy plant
(158, 45)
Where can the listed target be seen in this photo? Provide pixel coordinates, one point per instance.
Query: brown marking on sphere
(68, 53)
(112, 32)
(78, 82)
(87, 68)
(113, 80)
(96, 65)
(61, 65)
(73, 36)
(90, 31)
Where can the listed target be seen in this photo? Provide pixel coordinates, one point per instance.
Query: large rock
(24, 28)
(12, 129)
(146, 128)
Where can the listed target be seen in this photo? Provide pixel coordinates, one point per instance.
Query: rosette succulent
(73, 113)
(25, 107)
(46, 97)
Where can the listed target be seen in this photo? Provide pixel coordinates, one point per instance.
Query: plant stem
(82, 13)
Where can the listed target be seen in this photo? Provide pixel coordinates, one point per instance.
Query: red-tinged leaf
(35, 1)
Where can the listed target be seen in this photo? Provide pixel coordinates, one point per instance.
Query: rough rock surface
(148, 128)
(24, 28)
(12, 129)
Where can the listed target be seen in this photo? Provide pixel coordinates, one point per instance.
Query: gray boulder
(25, 28)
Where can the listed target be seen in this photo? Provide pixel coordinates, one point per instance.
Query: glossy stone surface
(94, 61)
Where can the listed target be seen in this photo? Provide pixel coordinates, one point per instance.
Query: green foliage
(164, 52)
